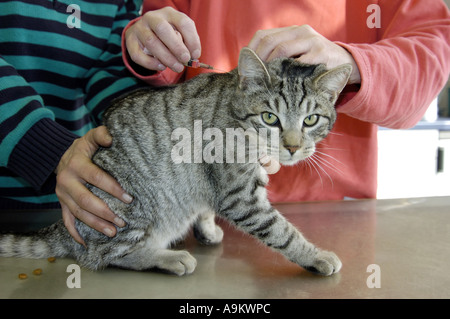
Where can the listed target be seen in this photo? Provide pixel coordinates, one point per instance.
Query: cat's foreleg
(206, 231)
(268, 225)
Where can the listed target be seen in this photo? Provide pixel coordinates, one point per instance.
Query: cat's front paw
(325, 263)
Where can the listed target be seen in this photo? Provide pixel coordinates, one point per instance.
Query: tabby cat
(291, 101)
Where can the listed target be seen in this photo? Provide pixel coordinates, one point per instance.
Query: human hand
(304, 44)
(163, 38)
(74, 170)
(270, 164)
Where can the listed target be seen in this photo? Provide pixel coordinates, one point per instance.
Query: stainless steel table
(389, 249)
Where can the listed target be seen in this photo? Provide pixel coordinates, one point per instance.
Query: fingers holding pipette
(163, 38)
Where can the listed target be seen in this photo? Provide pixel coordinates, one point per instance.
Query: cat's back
(124, 108)
(143, 125)
(193, 96)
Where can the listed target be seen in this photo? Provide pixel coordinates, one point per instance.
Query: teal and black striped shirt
(60, 66)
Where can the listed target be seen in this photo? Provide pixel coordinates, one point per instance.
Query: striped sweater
(60, 66)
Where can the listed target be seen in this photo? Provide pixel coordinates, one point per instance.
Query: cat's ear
(252, 70)
(333, 81)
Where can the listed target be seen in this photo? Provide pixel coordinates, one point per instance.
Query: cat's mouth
(288, 157)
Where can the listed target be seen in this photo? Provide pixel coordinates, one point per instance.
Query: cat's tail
(47, 242)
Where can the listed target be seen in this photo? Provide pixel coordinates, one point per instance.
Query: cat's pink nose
(292, 149)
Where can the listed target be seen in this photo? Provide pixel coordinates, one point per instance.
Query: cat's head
(289, 99)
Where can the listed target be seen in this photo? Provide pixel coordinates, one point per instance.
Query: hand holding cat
(74, 170)
(163, 38)
(306, 44)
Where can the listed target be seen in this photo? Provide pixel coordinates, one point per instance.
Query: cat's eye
(311, 120)
(270, 118)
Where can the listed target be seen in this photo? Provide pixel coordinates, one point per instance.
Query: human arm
(35, 128)
(400, 74)
(406, 69)
(34, 144)
(107, 78)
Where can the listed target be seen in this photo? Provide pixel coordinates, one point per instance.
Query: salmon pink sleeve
(406, 69)
(153, 78)
(180, 5)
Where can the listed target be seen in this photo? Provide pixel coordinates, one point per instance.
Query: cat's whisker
(311, 162)
(317, 161)
(335, 133)
(323, 145)
(327, 164)
(310, 166)
(329, 156)
(320, 147)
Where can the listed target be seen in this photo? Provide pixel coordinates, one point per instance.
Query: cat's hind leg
(206, 231)
(179, 262)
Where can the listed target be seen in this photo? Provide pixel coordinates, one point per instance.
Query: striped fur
(169, 198)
